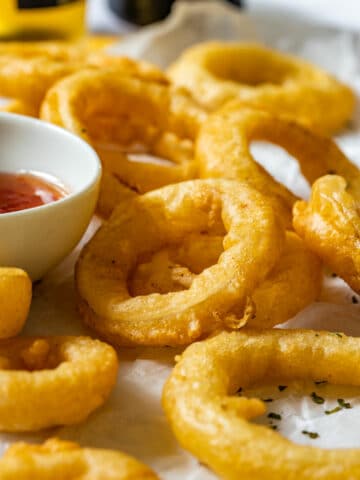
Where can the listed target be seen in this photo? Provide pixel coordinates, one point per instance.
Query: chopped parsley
(340, 335)
(334, 410)
(282, 388)
(310, 434)
(317, 399)
(275, 416)
(343, 404)
(320, 382)
(268, 400)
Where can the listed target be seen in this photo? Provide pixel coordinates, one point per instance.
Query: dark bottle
(143, 12)
(41, 19)
(238, 3)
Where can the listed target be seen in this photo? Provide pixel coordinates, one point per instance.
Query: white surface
(37, 239)
(340, 13)
(132, 419)
(101, 19)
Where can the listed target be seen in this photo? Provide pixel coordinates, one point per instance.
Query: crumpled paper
(132, 419)
(189, 23)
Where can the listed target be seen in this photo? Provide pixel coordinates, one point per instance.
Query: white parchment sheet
(132, 419)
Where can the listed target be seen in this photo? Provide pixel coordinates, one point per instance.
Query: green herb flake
(320, 382)
(317, 399)
(343, 404)
(239, 391)
(340, 335)
(268, 400)
(282, 388)
(274, 415)
(334, 410)
(310, 434)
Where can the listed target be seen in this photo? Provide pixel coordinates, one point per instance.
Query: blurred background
(340, 13)
(36, 19)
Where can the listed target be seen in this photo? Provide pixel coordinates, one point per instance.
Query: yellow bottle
(41, 19)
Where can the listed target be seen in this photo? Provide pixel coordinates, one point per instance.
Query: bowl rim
(15, 119)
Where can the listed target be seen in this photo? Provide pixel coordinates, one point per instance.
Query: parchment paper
(132, 419)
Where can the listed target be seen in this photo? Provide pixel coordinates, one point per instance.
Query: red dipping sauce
(20, 191)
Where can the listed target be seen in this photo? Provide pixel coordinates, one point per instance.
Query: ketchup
(20, 191)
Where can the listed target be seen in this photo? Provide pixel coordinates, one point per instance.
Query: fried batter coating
(217, 298)
(211, 422)
(292, 284)
(223, 150)
(329, 223)
(59, 460)
(216, 72)
(53, 381)
(123, 115)
(15, 300)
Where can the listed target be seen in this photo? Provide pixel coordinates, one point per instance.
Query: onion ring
(217, 298)
(112, 192)
(52, 381)
(216, 72)
(15, 300)
(330, 225)
(28, 70)
(104, 107)
(58, 460)
(222, 150)
(15, 105)
(213, 424)
(292, 284)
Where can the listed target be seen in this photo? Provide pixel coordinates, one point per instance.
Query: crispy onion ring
(28, 70)
(217, 298)
(59, 460)
(292, 284)
(223, 150)
(112, 192)
(15, 300)
(99, 42)
(330, 225)
(213, 424)
(52, 381)
(15, 105)
(216, 72)
(113, 111)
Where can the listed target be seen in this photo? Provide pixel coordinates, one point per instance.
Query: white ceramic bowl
(38, 238)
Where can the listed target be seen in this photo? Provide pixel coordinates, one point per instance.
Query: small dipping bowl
(38, 238)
